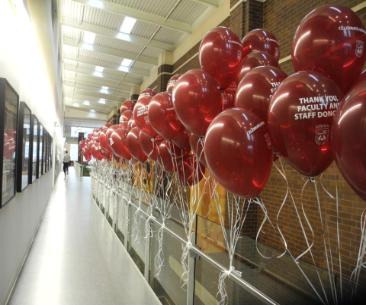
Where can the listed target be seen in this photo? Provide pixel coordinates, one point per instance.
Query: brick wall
(282, 18)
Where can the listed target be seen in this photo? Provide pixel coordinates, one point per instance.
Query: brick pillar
(134, 97)
(245, 16)
(164, 73)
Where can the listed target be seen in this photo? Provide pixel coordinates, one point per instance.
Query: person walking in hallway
(66, 162)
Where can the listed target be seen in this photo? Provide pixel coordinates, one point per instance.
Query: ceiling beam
(110, 66)
(112, 52)
(89, 70)
(111, 34)
(77, 113)
(213, 3)
(103, 80)
(122, 10)
(91, 97)
(84, 85)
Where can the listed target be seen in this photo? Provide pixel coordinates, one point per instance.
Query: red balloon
(220, 55)
(263, 41)
(331, 40)
(300, 118)
(126, 105)
(147, 92)
(197, 100)
(190, 171)
(125, 116)
(256, 89)
(171, 83)
(140, 114)
(196, 144)
(133, 144)
(163, 119)
(168, 155)
(255, 59)
(228, 96)
(97, 152)
(149, 144)
(237, 150)
(117, 140)
(349, 138)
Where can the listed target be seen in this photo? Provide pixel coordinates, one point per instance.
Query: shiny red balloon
(256, 89)
(220, 55)
(147, 92)
(117, 140)
(163, 119)
(331, 40)
(133, 144)
(190, 171)
(228, 96)
(149, 144)
(300, 119)
(171, 83)
(197, 100)
(349, 138)
(125, 116)
(238, 153)
(126, 105)
(169, 155)
(140, 115)
(262, 41)
(196, 144)
(255, 59)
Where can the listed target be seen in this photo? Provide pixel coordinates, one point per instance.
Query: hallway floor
(76, 258)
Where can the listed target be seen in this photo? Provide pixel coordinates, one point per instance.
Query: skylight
(96, 3)
(127, 25)
(125, 65)
(104, 90)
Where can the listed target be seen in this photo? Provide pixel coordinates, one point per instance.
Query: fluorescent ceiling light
(123, 36)
(88, 47)
(92, 110)
(96, 3)
(89, 37)
(102, 101)
(98, 72)
(127, 25)
(104, 90)
(126, 62)
(125, 65)
(124, 69)
(76, 105)
(86, 103)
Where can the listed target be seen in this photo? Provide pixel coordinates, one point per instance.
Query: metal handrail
(194, 250)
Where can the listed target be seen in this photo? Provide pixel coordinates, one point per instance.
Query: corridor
(76, 257)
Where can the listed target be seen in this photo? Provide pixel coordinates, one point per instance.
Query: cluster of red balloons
(240, 111)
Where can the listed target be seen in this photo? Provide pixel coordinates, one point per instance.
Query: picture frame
(24, 147)
(35, 149)
(41, 150)
(9, 105)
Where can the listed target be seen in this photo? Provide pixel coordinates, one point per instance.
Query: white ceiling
(160, 25)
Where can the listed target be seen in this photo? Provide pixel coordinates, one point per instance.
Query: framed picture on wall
(46, 151)
(9, 103)
(35, 148)
(24, 147)
(41, 150)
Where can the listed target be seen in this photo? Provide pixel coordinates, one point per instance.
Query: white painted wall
(23, 61)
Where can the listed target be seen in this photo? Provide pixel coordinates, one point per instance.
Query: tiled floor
(77, 259)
